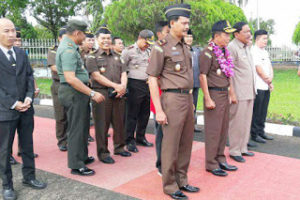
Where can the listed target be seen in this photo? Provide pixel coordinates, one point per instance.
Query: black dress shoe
(258, 139)
(9, 194)
(178, 195)
(248, 154)
(12, 160)
(227, 167)
(63, 148)
(144, 143)
(218, 172)
(90, 160)
(90, 139)
(83, 171)
(19, 154)
(238, 158)
(35, 184)
(251, 144)
(189, 188)
(35, 155)
(132, 148)
(108, 160)
(123, 154)
(267, 137)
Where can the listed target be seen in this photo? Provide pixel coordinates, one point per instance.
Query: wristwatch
(92, 94)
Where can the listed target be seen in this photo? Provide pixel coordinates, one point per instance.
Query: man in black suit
(16, 111)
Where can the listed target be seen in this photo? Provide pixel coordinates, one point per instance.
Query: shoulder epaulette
(162, 42)
(53, 47)
(93, 51)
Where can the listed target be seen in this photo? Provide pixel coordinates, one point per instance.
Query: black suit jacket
(15, 84)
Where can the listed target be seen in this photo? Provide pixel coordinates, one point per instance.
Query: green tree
(53, 14)
(27, 30)
(240, 3)
(95, 8)
(296, 35)
(9, 7)
(267, 25)
(42, 32)
(127, 18)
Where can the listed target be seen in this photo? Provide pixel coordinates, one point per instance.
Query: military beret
(148, 35)
(62, 31)
(178, 10)
(77, 25)
(222, 26)
(18, 31)
(103, 29)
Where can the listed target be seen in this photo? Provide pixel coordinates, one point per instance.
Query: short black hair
(172, 18)
(260, 32)
(103, 29)
(116, 38)
(160, 25)
(239, 26)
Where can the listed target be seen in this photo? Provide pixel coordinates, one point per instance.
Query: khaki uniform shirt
(137, 62)
(51, 61)
(168, 55)
(109, 66)
(209, 66)
(244, 70)
(68, 59)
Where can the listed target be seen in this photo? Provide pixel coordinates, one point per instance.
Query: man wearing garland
(215, 79)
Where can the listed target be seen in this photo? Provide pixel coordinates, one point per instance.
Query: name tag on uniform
(175, 53)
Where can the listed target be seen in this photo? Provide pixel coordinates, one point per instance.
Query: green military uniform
(76, 103)
(112, 109)
(59, 111)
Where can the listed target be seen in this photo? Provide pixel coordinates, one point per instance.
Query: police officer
(136, 58)
(59, 111)
(74, 95)
(215, 83)
(109, 77)
(170, 60)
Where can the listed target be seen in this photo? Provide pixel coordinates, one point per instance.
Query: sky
(286, 15)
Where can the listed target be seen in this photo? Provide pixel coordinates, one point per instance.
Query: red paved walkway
(263, 177)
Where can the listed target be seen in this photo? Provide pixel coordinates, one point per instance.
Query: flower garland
(225, 61)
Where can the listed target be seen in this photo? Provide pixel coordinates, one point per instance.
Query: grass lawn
(44, 84)
(284, 104)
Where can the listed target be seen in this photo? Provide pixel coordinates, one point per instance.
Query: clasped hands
(120, 89)
(23, 106)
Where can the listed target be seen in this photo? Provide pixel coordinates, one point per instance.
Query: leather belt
(218, 88)
(181, 91)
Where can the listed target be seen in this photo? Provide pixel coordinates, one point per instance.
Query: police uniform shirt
(68, 59)
(51, 61)
(261, 58)
(211, 68)
(137, 62)
(171, 60)
(109, 66)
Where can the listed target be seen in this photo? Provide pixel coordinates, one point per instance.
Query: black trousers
(138, 109)
(195, 101)
(25, 125)
(158, 140)
(78, 124)
(260, 110)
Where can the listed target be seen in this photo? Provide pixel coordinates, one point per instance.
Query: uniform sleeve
(125, 58)
(205, 61)
(91, 64)
(156, 61)
(69, 60)
(51, 57)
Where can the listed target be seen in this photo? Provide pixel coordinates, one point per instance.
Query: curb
(276, 129)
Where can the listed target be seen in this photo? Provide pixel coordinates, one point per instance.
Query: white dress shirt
(261, 58)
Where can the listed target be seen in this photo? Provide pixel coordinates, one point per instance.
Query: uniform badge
(102, 69)
(122, 61)
(116, 58)
(175, 53)
(174, 48)
(177, 67)
(210, 48)
(136, 66)
(207, 54)
(219, 72)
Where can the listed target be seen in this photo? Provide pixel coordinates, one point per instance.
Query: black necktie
(11, 58)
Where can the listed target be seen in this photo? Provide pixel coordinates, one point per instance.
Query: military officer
(170, 60)
(109, 77)
(74, 95)
(59, 111)
(215, 83)
(118, 45)
(136, 58)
